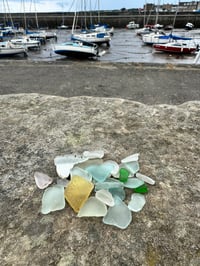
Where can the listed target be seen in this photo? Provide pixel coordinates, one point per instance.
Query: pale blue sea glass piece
(101, 172)
(108, 183)
(93, 207)
(133, 183)
(80, 172)
(119, 215)
(118, 191)
(53, 199)
(137, 202)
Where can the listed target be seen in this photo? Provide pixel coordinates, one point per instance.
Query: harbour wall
(115, 19)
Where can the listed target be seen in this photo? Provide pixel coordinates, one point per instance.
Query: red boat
(176, 47)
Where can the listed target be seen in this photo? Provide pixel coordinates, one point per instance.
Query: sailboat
(91, 36)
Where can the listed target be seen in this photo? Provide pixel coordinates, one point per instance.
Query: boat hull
(73, 49)
(174, 49)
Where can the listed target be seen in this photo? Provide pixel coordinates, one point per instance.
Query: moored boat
(8, 49)
(77, 49)
(183, 47)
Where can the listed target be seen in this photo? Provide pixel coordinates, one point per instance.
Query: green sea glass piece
(53, 199)
(142, 189)
(123, 175)
(119, 215)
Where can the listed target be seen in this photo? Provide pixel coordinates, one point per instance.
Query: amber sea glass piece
(77, 192)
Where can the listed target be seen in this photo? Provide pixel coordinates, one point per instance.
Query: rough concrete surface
(35, 128)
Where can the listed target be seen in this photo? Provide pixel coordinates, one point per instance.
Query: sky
(12, 6)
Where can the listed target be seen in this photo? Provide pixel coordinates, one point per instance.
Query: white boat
(144, 30)
(93, 37)
(154, 37)
(102, 28)
(132, 25)
(77, 49)
(8, 49)
(26, 42)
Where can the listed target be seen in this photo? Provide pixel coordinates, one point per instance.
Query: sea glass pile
(95, 188)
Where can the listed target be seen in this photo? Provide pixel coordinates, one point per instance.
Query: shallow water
(125, 46)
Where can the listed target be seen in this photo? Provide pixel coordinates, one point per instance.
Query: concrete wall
(116, 19)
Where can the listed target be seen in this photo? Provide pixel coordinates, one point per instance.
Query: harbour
(125, 46)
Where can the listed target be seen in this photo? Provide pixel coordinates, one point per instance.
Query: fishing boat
(177, 47)
(77, 49)
(8, 49)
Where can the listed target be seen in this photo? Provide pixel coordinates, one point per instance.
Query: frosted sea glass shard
(89, 162)
(93, 207)
(102, 171)
(119, 215)
(53, 199)
(114, 166)
(63, 169)
(118, 192)
(42, 180)
(77, 192)
(105, 196)
(65, 163)
(93, 154)
(107, 184)
(132, 167)
(131, 158)
(145, 178)
(133, 183)
(80, 172)
(137, 202)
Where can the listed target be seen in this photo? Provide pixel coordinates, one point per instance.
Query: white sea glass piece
(119, 215)
(93, 154)
(131, 158)
(114, 165)
(137, 202)
(63, 169)
(76, 171)
(42, 180)
(53, 199)
(69, 158)
(132, 167)
(145, 178)
(105, 196)
(133, 183)
(65, 163)
(93, 207)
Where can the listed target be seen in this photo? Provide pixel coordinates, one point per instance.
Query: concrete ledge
(35, 128)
